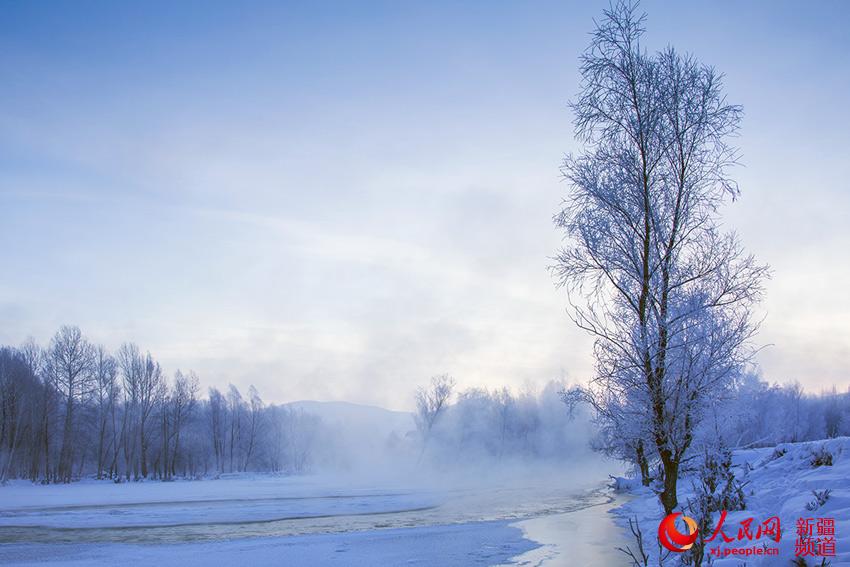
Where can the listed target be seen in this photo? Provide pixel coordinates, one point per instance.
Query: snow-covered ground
(778, 482)
(311, 520)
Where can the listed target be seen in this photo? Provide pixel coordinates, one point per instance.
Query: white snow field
(310, 520)
(779, 482)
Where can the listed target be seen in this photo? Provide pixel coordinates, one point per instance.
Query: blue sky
(337, 200)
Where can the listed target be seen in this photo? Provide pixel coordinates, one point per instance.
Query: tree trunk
(643, 464)
(668, 497)
(46, 448)
(100, 449)
(65, 451)
(143, 457)
(176, 449)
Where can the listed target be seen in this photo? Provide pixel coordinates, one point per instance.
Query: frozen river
(288, 521)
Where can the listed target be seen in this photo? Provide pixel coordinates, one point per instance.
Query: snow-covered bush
(777, 453)
(801, 562)
(821, 457)
(622, 484)
(821, 497)
(718, 485)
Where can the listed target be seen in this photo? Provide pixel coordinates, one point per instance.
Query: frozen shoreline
(588, 536)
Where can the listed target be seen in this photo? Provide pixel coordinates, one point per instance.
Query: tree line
(763, 414)
(72, 408)
(483, 425)
(751, 413)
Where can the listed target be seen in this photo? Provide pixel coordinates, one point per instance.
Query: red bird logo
(673, 539)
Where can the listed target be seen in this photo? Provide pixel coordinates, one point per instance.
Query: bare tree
(504, 408)
(44, 403)
(302, 430)
(664, 292)
(218, 415)
(19, 395)
(105, 394)
(256, 407)
(130, 363)
(183, 399)
(234, 410)
(70, 358)
(832, 413)
(430, 405)
(151, 392)
(795, 397)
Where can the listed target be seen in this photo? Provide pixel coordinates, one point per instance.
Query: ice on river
(313, 520)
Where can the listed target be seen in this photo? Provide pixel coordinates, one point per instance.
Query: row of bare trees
(72, 409)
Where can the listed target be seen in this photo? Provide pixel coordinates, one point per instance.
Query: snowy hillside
(785, 481)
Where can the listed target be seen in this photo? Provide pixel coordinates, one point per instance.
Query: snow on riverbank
(778, 482)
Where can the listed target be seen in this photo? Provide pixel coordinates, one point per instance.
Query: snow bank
(778, 482)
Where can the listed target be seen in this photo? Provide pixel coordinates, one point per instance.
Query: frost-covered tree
(177, 411)
(651, 276)
(254, 424)
(235, 409)
(431, 403)
(832, 414)
(623, 427)
(217, 412)
(493, 426)
(762, 414)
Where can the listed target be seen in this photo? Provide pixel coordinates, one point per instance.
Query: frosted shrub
(821, 457)
(778, 453)
(821, 497)
(722, 491)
